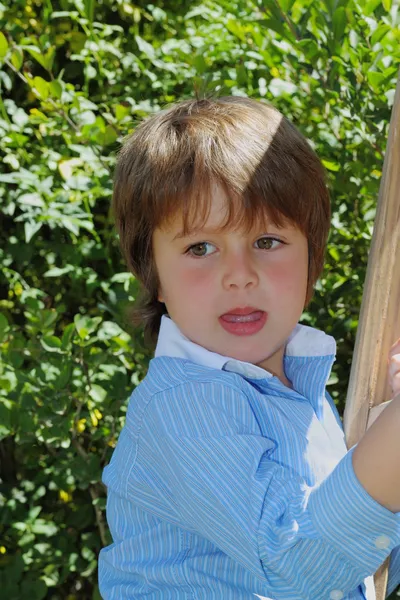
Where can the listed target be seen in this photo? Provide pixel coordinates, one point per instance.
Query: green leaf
(85, 325)
(330, 5)
(108, 330)
(31, 228)
(90, 72)
(42, 527)
(49, 57)
(331, 166)
(278, 87)
(333, 251)
(89, 10)
(145, 47)
(41, 87)
(286, 5)
(387, 4)
(371, 6)
(310, 48)
(51, 343)
(45, 60)
(236, 28)
(67, 336)
(380, 33)
(97, 393)
(122, 111)
(17, 58)
(34, 512)
(339, 23)
(55, 89)
(108, 137)
(3, 46)
(34, 51)
(16, 349)
(57, 271)
(8, 381)
(275, 25)
(47, 319)
(377, 79)
(63, 378)
(33, 199)
(4, 327)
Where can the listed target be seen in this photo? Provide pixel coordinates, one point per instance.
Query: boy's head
(230, 157)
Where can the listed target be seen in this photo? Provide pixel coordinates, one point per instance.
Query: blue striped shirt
(227, 484)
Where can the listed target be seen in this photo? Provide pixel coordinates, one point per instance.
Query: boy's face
(228, 270)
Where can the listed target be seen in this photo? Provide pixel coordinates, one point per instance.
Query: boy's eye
(200, 249)
(267, 242)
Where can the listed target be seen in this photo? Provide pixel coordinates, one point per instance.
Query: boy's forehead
(176, 230)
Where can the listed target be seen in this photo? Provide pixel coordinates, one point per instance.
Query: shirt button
(382, 542)
(336, 595)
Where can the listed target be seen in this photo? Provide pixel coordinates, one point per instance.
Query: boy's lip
(246, 310)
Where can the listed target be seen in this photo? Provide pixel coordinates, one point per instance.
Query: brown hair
(172, 159)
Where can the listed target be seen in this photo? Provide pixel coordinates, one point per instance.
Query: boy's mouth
(232, 318)
(243, 321)
(243, 315)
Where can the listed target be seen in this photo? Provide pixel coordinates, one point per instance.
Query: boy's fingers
(395, 384)
(394, 373)
(394, 364)
(395, 349)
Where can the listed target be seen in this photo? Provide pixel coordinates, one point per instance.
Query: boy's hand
(394, 367)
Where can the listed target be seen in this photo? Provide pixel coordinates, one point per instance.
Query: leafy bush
(75, 77)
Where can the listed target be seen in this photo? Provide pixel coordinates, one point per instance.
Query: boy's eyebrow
(178, 236)
(193, 232)
(206, 232)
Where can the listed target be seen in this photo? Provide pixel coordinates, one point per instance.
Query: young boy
(231, 478)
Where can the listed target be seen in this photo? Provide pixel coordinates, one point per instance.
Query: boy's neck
(274, 364)
(283, 379)
(286, 382)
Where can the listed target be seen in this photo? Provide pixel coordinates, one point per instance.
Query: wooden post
(379, 324)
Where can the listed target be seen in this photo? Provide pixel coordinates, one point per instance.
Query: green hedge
(75, 77)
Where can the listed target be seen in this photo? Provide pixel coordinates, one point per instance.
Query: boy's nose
(239, 272)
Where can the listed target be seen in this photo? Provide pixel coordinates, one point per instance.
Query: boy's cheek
(200, 289)
(187, 284)
(288, 279)
(195, 277)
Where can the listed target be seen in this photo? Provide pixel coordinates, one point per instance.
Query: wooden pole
(379, 324)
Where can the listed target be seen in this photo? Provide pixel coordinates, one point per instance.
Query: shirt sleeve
(394, 568)
(201, 463)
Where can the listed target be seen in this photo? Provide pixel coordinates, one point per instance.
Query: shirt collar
(303, 342)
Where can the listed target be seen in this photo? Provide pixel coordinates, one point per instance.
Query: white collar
(303, 342)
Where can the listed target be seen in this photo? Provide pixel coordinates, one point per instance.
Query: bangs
(193, 203)
(261, 165)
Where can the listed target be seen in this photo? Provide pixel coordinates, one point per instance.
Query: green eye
(267, 243)
(201, 246)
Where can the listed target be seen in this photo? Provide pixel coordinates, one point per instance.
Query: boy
(231, 478)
